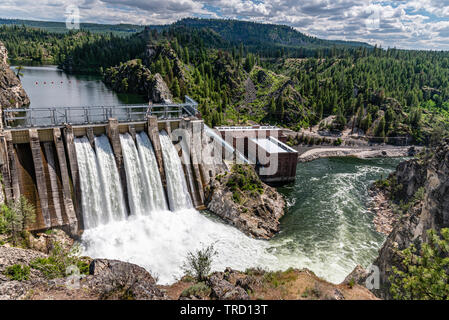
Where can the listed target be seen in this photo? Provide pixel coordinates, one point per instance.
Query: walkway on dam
(61, 116)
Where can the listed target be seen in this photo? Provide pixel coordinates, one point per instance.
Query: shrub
(199, 289)
(243, 179)
(198, 264)
(338, 142)
(56, 264)
(17, 272)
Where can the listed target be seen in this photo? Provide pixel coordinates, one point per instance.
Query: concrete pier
(73, 162)
(53, 185)
(113, 132)
(65, 182)
(153, 134)
(40, 176)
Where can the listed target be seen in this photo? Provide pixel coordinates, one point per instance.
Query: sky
(415, 24)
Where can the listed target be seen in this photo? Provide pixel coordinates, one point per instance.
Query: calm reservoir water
(327, 228)
(47, 86)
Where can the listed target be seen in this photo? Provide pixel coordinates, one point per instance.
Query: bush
(338, 142)
(199, 289)
(198, 264)
(55, 266)
(17, 272)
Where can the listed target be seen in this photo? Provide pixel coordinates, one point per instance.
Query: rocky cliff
(153, 53)
(241, 199)
(134, 77)
(12, 94)
(419, 192)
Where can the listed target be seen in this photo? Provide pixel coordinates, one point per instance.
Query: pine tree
(176, 90)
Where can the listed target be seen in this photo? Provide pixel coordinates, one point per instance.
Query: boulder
(115, 279)
(258, 216)
(108, 279)
(221, 289)
(357, 276)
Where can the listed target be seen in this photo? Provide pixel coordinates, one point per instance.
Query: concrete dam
(81, 176)
(78, 177)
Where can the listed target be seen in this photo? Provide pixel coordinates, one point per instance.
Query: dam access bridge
(39, 160)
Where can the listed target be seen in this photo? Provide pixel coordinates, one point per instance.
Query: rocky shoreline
(360, 152)
(384, 215)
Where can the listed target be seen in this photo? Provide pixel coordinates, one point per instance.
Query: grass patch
(56, 265)
(17, 272)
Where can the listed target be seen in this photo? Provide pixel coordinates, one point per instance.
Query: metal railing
(52, 117)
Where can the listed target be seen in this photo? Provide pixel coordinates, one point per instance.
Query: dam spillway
(82, 177)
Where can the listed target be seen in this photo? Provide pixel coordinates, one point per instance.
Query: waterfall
(110, 178)
(151, 172)
(95, 211)
(178, 194)
(138, 189)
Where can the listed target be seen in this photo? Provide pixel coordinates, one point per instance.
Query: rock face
(160, 91)
(133, 77)
(107, 279)
(156, 52)
(424, 184)
(12, 94)
(256, 211)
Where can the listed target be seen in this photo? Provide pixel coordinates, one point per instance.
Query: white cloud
(406, 24)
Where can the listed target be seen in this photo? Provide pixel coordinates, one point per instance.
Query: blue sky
(415, 24)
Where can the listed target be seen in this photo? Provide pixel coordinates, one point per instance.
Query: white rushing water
(110, 179)
(178, 195)
(160, 243)
(138, 191)
(151, 172)
(92, 197)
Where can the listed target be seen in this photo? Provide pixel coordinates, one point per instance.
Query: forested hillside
(60, 27)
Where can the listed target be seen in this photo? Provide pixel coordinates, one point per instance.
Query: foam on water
(160, 243)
